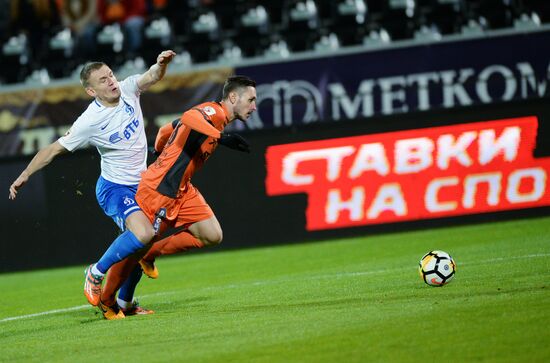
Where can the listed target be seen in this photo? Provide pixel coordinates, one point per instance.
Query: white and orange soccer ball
(437, 268)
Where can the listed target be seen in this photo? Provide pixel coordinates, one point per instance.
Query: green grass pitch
(349, 300)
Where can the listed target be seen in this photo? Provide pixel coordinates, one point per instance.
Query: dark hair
(235, 82)
(87, 70)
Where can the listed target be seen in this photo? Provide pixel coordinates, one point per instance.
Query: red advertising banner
(416, 174)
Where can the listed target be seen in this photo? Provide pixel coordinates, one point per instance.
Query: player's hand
(17, 184)
(165, 57)
(234, 141)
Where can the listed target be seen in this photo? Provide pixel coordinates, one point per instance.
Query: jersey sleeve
(164, 134)
(199, 120)
(130, 86)
(77, 137)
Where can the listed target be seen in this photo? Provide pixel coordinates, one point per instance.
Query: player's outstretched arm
(156, 71)
(195, 120)
(40, 160)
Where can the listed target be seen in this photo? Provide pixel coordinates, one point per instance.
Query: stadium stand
(56, 37)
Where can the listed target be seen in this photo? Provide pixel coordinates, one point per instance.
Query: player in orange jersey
(184, 146)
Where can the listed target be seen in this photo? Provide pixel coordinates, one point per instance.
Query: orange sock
(118, 273)
(175, 243)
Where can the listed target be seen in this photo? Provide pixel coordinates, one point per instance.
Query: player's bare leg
(140, 226)
(208, 231)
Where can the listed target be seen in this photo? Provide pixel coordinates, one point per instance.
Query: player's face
(246, 104)
(103, 85)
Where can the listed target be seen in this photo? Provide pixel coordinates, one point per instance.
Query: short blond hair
(87, 70)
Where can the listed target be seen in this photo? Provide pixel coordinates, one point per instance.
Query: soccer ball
(437, 268)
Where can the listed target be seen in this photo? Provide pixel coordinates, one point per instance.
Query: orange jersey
(193, 139)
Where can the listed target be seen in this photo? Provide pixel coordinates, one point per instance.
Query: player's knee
(144, 234)
(141, 227)
(213, 238)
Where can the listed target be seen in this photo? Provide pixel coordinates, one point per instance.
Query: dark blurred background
(57, 36)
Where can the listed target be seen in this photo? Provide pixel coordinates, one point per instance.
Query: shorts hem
(130, 211)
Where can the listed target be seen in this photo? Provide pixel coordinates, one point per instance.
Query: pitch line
(45, 313)
(74, 308)
(267, 282)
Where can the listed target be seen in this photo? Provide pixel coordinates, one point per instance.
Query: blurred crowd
(39, 20)
(59, 35)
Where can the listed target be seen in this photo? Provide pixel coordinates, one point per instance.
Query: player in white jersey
(117, 132)
(113, 123)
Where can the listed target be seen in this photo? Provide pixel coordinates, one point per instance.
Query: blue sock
(127, 290)
(122, 247)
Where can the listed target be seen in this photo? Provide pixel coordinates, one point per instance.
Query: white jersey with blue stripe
(117, 132)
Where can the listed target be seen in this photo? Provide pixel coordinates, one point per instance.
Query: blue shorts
(117, 200)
